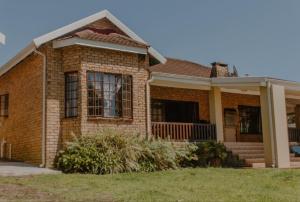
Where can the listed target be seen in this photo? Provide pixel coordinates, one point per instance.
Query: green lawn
(179, 185)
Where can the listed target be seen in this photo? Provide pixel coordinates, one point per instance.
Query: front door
(230, 125)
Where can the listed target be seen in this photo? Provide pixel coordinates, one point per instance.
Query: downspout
(270, 104)
(43, 142)
(148, 100)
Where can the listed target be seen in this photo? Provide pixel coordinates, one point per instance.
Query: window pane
(250, 120)
(71, 88)
(127, 96)
(109, 95)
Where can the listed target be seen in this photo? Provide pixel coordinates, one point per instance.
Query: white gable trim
(37, 42)
(98, 44)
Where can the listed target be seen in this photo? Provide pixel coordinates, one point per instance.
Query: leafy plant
(113, 152)
(206, 154)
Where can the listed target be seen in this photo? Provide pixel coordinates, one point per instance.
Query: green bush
(112, 152)
(157, 155)
(209, 154)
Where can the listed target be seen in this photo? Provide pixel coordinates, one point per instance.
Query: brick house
(96, 73)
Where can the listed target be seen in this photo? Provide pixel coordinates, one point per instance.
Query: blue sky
(261, 38)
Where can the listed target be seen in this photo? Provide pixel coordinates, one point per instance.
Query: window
(109, 95)
(4, 105)
(71, 97)
(250, 120)
(174, 111)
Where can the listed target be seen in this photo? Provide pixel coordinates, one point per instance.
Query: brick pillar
(216, 112)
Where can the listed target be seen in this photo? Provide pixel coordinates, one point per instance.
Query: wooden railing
(184, 131)
(294, 134)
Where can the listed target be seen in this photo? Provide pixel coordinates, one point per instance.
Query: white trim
(238, 91)
(180, 81)
(37, 42)
(97, 44)
(239, 81)
(157, 55)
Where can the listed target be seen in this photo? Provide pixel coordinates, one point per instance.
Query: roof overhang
(242, 85)
(37, 42)
(180, 81)
(98, 44)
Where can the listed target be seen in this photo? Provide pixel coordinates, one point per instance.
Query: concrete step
(295, 159)
(243, 143)
(249, 162)
(244, 151)
(295, 164)
(251, 156)
(245, 147)
(258, 165)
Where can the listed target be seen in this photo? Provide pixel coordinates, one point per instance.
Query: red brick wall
(200, 96)
(23, 127)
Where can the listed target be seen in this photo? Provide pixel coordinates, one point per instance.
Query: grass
(211, 184)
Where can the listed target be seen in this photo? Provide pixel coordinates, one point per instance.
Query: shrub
(109, 152)
(112, 152)
(157, 155)
(206, 154)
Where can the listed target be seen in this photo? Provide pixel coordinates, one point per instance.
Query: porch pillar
(216, 112)
(274, 124)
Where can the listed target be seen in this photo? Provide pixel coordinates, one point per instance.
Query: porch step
(251, 156)
(254, 162)
(251, 152)
(295, 159)
(247, 151)
(295, 164)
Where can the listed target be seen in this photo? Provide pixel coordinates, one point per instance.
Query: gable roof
(182, 67)
(37, 42)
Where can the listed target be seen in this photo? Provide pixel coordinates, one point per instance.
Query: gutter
(43, 142)
(148, 102)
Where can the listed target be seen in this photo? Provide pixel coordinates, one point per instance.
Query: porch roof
(235, 83)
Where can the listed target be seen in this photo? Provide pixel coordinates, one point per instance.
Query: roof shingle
(182, 67)
(106, 35)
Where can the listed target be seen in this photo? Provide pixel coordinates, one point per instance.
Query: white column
(280, 128)
(266, 116)
(274, 124)
(216, 112)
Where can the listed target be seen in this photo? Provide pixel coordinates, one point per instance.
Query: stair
(253, 154)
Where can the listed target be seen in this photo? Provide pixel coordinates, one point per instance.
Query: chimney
(219, 69)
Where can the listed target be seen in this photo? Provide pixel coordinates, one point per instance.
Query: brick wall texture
(23, 126)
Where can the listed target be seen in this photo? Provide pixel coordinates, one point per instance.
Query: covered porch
(229, 110)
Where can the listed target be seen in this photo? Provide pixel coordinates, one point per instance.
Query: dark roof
(106, 35)
(182, 67)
